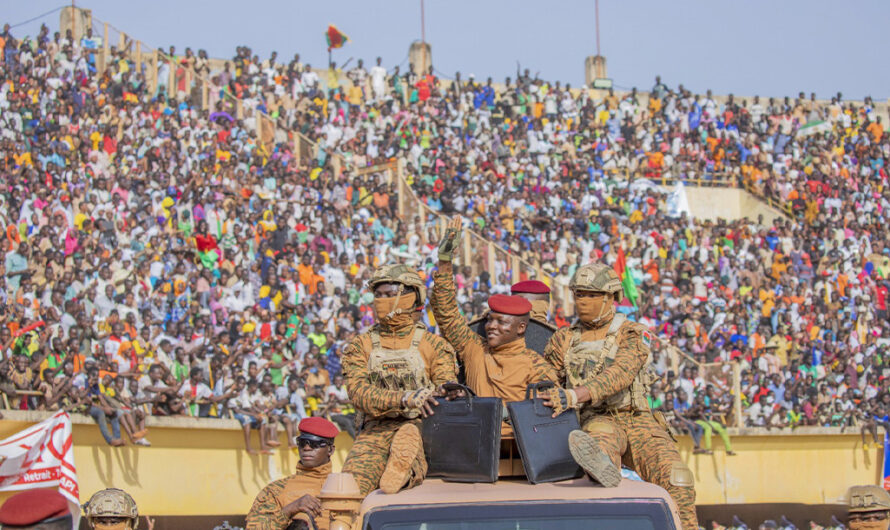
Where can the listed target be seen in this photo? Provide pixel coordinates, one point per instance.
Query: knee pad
(597, 427)
(681, 475)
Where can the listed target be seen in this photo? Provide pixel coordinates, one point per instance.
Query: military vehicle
(511, 503)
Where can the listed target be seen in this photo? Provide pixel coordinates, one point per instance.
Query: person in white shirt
(378, 81)
(197, 394)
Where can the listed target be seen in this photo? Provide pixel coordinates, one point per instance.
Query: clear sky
(767, 47)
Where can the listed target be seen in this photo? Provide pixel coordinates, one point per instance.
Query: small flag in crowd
(627, 282)
(335, 37)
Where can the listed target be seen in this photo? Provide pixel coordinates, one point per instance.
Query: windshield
(630, 515)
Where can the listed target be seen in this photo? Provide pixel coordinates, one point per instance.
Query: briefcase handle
(531, 392)
(457, 386)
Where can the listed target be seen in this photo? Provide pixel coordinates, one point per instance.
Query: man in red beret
(537, 293)
(295, 498)
(42, 508)
(539, 330)
(499, 365)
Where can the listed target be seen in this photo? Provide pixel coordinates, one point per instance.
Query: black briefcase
(543, 441)
(462, 439)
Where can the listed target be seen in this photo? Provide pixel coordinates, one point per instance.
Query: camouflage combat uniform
(266, 514)
(379, 366)
(612, 363)
(502, 372)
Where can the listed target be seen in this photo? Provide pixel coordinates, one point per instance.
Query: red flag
(620, 263)
(335, 38)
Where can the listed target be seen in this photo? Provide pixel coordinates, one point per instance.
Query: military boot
(593, 460)
(406, 444)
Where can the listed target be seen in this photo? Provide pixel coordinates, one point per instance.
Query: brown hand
(306, 504)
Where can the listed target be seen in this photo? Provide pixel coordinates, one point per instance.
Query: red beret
(509, 305)
(530, 287)
(318, 426)
(32, 507)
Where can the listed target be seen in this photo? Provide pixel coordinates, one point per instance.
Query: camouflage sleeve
(443, 300)
(266, 514)
(443, 368)
(555, 352)
(541, 370)
(629, 360)
(364, 395)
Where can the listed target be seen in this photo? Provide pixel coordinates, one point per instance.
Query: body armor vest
(398, 370)
(587, 359)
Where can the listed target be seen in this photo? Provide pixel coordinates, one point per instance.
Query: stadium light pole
(597, 8)
(422, 24)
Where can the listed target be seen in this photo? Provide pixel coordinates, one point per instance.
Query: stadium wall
(199, 467)
(728, 203)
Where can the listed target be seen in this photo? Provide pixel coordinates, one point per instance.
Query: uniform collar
(511, 348)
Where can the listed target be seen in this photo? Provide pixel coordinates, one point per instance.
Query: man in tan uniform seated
(500, 365)
(295, 498)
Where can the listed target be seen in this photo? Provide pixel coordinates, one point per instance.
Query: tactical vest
(398, 370)
(587, 359)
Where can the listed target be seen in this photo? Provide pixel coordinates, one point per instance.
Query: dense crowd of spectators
(162, 259)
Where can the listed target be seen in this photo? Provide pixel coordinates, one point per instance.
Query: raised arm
(443, 297)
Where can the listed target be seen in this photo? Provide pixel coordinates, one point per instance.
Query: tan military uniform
(266, 512)
(502, 372)
(611, 362)
(380, 365)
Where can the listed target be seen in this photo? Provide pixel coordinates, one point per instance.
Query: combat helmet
(868, 499)
(596, 277)
(112, 502)
(402, 274)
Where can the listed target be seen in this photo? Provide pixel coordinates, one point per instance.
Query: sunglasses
(313, 444)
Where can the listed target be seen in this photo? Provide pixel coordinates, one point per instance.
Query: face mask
(540, 308)
(594, 311)
(395, 311)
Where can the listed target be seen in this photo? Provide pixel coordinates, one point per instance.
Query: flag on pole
(335, 37)
(41, 456)
(627, 282)
(886, 472)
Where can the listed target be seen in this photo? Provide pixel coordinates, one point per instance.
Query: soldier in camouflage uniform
(292, 502)
(604, 362)
(869, 508)
(500, 365)
(393, 372)
(112, 509)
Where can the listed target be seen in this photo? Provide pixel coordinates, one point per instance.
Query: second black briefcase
(462, 439)
(543, 441)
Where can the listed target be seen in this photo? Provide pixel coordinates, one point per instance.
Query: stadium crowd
(161, 259)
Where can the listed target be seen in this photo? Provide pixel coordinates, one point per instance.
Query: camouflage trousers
(640, 442)
(370, 451)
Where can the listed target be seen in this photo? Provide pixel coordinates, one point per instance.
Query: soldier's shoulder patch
(646, 338)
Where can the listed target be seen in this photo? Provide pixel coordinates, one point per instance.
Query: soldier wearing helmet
(869, 508)
(393, 371)
(113, 509)
(498, 364)
(603, 364)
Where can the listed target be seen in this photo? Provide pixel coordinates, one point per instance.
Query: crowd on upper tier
(164, 259)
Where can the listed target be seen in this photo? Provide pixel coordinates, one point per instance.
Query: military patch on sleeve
(647, 339)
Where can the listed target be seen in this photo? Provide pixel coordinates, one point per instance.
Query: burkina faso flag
(335, 37)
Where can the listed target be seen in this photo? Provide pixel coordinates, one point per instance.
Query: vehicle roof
(435, 491)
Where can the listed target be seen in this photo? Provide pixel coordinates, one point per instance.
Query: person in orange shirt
(876, 130)
(307, 274)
